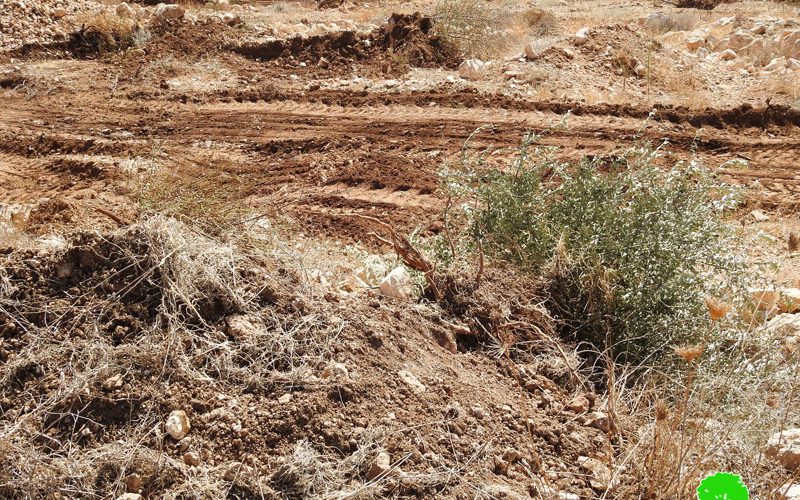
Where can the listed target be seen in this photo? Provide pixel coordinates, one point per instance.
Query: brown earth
(81, 132)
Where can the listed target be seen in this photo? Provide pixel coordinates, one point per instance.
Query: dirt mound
(411, 37)
(288, 395)
(700, 4)
(405, 40)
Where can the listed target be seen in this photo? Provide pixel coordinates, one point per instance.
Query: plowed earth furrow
(328, 162)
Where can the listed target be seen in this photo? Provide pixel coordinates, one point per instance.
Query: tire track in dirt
(378, 160)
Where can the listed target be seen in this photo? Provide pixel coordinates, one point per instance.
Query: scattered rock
(499, 491)
(130, 496)
(169, 11)
(581, 37)
(784, 325)
(598, 420)
(776, 64)
(59, 12)
(599, 473)
(727, 55)
(177, 424)
(191, 458)
(579, 404)
(530, 53)
(133, 483)
(380, 466)
(126, 11)
(113, 382)
(397, 284)
(759, 216)
(412, 381)
(784, 448)
(765, 299)
(286, 398)
(472, 69)
(789, 492)
(240, 326)
(335, 370)
(693, 43)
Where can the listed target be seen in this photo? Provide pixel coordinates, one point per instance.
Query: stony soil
(316, 116)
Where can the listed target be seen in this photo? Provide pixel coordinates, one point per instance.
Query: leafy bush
(630, 250)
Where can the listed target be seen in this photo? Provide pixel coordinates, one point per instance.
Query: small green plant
(630, 250)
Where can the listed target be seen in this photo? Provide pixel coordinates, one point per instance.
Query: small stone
(727, 55)
(240, 326)
(191, 458)
(177, 424)
(789, 492)
(784, 448)
(114, 382)
(412, 381)
(579, 404)
(130, 496)
(286, 398)
(776, 64)
(133, 483)
(694, 43)
(335, 370)
(765, 299)
(380, 466)
(232, 19)
(478, 412)
(125, 11)
(598, 420)
(397, 284)
(581, 37)
(59, 12)
(169, 11)
(530, 53)
(599, 474)
(323, 63)
(472, 69)
(759, 216)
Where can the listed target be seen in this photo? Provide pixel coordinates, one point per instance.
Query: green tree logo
(722, 486)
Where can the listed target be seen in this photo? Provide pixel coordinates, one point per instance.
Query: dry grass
(539, 22)
(62, 431)
(671, 21)
(209, 195)
(717, 415)
(472, 27)
(106, 32)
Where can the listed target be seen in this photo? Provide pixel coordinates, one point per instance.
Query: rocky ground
(144, 357)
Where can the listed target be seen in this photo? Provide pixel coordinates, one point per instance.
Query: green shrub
(630, 249)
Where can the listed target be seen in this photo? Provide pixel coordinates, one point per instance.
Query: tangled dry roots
(91, 334)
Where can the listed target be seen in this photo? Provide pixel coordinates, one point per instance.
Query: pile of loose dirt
(289, 393)
(405, 40)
